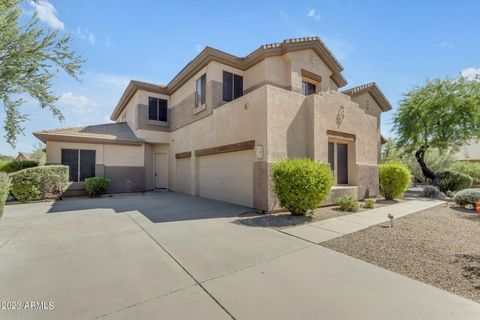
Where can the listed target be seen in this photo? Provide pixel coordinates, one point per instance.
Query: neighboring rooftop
(114, 133)
(374, 91)
(243, 63)
(24, 155)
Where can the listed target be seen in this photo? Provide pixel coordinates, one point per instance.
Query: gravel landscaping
(285, 219)
(439, 246)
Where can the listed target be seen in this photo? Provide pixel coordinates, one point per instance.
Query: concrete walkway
(328, 229)
(172, 256)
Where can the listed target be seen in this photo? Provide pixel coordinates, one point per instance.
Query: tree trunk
(420, 156)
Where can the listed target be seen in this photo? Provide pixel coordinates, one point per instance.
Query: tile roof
(116, 133)
(374, 90)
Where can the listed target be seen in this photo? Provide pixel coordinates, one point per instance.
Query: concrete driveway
(164, 255)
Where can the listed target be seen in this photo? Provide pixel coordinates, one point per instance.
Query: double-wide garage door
(227, 177)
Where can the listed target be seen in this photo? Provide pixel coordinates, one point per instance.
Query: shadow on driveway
(157, 206)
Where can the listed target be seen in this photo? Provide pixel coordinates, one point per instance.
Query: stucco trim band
(72, 138)
(341, 136)
(183, 155)
(311, 75)
(240, 146)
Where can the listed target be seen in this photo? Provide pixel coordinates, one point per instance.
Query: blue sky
(396, 44)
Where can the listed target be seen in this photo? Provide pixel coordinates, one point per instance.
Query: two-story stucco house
(217, 127)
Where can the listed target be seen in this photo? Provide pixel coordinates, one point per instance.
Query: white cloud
(110, 80)
(446, 44)
(312, 13)
(471, 73)
(77, 104)
(47, 13)
(86, 35)
(199, 47)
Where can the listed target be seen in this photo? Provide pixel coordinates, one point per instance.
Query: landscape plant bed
(285, 219)
(438, 246)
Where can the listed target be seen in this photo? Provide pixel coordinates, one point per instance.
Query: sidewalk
(325, 230)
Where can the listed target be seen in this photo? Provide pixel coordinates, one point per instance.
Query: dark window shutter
(162, 110)
(312, 89)
(238, 86)
(331, 155)
(87, 164)
(70, 159)
(203, 81)
(152, 108)
(227, 86)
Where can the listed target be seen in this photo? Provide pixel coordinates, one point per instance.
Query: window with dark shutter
(237, 86)
(227, 86)
(232, 86)
(81, 164)
(308, 88)
(203, 81)
(200, 90)
(162, 110)
(70, 159)
(152, 108)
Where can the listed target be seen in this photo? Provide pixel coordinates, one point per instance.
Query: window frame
(159, 101)
(79, 163)
(305, 87)
(200, 90)
(233, 90)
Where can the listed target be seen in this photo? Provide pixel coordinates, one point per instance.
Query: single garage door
(227, 177)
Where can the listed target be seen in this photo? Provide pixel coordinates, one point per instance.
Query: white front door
(161, 170)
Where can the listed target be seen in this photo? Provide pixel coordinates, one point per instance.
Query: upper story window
(232, 86)
(157, 109)
(200, 90)
(308, 88)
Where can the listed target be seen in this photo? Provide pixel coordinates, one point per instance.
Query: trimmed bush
(97, 186)
(347, 203)
(471, 169)
(369, 203)
(4, 189)
(453, 181)
(301, 185)
(395, 178)
(39, 183)
(17, 165)
(431, 192)
(467, 196)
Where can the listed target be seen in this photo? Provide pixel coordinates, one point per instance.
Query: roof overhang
(373, 89)
(211, 54)
(83, 139)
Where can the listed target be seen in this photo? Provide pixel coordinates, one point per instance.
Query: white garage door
(227, 177)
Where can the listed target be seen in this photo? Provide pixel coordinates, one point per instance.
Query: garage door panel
(227, 177)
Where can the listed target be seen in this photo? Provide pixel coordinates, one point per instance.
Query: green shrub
(369, 203)
(4, 189)
(453, 181)
(301, 185)
(471, 169)
(97, 186)
(347, 203)
(39, 183)
(431, 192)
(17, 165)
(467, 196)
(395, 178)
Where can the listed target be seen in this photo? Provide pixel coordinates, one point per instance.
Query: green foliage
(369, 203)
(453, 181)
(471, 169)
(395, 178)
(301, 184)
(96, 186)
(4, 189)
(435, 159)
(440, 114)
(30, 57)
(4, 160)
(467, 196)
(431, 192)
(39, 183)
(16, 165)
(347, 203)
(38, 154)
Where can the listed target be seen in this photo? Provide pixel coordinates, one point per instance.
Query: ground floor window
(338, 160)
(80, 162)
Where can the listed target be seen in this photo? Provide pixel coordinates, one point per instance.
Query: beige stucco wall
(106, 154)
